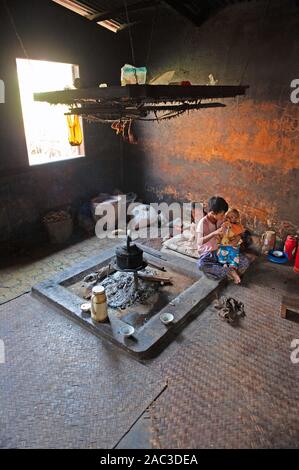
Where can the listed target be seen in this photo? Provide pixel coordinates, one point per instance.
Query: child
(229, 248)
(209, 227)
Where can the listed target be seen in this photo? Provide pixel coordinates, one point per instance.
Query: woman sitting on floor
(208, 231)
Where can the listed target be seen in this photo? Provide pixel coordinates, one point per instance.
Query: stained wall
(51, 32)
(247, 152)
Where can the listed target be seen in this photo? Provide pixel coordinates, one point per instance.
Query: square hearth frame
(153, 335)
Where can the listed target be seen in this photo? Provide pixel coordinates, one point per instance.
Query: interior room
(149, 224)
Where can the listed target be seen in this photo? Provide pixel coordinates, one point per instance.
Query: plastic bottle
(290, 247)
(99, 311)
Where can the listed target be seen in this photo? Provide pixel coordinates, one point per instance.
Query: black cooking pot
(129, 256)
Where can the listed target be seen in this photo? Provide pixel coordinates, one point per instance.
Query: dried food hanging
(75, 131)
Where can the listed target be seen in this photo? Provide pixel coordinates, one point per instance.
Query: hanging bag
(75, 132)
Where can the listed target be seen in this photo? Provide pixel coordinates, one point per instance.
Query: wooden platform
(151, 93)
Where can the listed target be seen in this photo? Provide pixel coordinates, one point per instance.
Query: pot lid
(133, 250)
(98, 290)
(128, 249)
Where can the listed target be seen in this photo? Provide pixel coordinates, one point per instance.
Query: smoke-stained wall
(51, 32)
(247, 152)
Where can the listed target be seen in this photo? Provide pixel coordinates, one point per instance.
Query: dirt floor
(215, 385)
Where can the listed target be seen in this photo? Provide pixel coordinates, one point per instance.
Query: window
(46, 128)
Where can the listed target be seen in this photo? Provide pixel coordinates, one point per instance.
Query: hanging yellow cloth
(75, 132)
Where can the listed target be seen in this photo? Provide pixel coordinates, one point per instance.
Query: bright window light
(46, 128)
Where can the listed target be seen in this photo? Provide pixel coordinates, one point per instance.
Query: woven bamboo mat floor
(231, 387)
(18, 279)
(228, 387)
(62, 387)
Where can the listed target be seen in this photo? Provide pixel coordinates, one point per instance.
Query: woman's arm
(205, 239)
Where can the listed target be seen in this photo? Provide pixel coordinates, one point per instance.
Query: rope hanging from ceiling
(130, 32)
(12, 21)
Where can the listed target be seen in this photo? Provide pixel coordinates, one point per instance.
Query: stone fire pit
(188, 295)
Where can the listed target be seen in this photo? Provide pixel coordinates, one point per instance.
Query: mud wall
(51, 32)
(247, 152)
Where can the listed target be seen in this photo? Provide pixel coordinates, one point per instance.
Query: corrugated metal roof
(199, 11)
(115, 17)
(114, 11)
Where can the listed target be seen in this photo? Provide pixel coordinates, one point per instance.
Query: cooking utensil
(127, 330)
(166, 318)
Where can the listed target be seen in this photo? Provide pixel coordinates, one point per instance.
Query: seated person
(229, 249)
(209, 229)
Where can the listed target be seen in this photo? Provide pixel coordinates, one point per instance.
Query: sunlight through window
(46, 128)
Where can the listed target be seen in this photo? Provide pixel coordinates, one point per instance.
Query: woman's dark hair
(193, 206)
(217, 204)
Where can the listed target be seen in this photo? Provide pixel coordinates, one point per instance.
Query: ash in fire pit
(121, 289)
(185, 295)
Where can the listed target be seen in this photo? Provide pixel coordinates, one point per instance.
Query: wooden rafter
(157, 93)
(113, 13)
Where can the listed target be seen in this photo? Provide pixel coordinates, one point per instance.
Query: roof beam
(99, 109)
(158, 93)
(107, 15)
(181, 8)
(204, 11)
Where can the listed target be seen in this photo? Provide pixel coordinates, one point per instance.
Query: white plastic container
(104, 199)
(131, 75)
